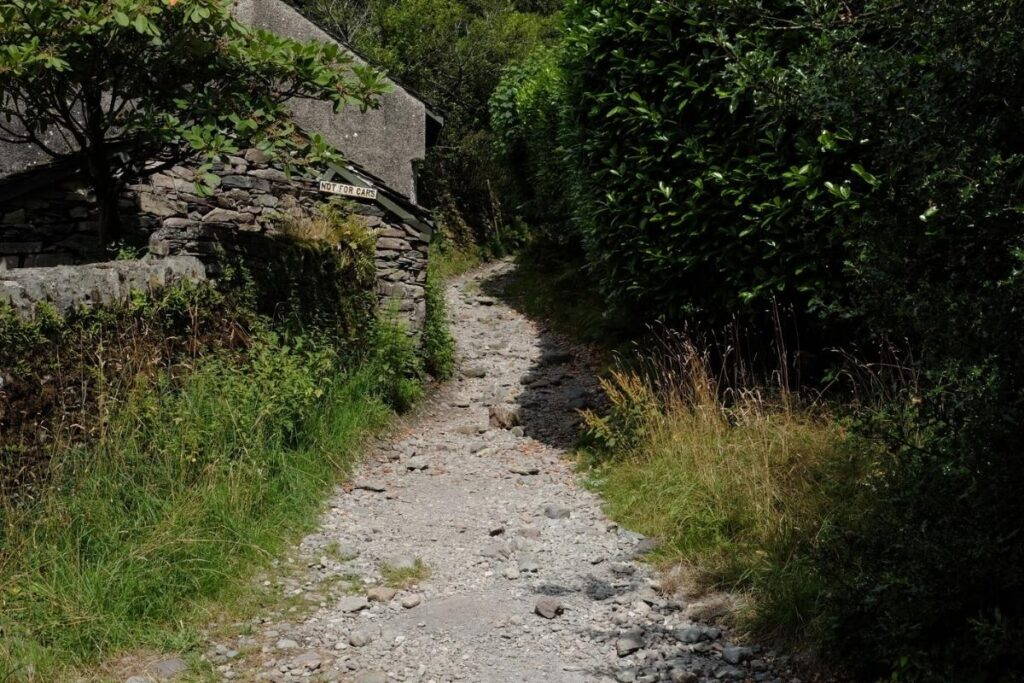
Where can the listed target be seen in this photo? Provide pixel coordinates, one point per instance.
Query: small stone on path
(524, 470)
(375, 486)
(410, 601)
(359, 638)
(417, 462)
(504, 417)
(401, 563)
(628, 643)
(310, 661)
(381, 594)
(555, 357)
(557, 512)
(169, 668)
(549, 608)
(353, 604)
(734, 655)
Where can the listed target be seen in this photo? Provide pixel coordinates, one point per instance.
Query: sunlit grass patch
(405, 576)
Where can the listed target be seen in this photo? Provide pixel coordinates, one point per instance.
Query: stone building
(49, 243)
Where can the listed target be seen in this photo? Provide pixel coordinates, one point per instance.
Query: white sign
(348, 190)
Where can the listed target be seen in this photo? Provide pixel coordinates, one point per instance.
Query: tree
(129, 86)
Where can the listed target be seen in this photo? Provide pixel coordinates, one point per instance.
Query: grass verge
(738, 491)
(200, 474)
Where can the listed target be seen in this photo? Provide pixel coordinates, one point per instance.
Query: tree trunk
(106, 188)
(104, 182)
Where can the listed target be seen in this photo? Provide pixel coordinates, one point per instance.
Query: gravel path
(528, 581)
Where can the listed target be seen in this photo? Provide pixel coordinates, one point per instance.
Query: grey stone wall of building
(57, 225)
(386, 141)
(68, 288)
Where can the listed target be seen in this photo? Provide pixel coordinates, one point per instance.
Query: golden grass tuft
(736, 483)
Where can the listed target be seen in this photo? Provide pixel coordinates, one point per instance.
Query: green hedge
(860, 164)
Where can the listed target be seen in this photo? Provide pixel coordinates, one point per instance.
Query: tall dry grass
(737, 481)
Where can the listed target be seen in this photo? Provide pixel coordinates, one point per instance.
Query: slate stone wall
(68, 288)
(57, 225)
(51, 226)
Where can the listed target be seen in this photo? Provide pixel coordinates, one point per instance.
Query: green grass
(448, 261)
(193, 485)
(738, 493)
(437, 345)
(403, 577)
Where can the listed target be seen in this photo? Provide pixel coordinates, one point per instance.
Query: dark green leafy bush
(700, 198)
(860, 164)
(534, 138)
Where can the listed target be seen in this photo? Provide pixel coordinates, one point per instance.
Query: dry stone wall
(51, 226)
(57, 225)
(68, 288)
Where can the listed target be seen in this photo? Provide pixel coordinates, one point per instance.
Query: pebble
(169, 668)
(401, 562)
(381, 594)
(359, 638)
(353, 604)
(549, 608)
(734, 655)
(504, 417)
(410, 601)
(557, 512)
(417, 462)
(371, 677)
(629, 642)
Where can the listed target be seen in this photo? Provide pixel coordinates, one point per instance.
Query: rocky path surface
(467, 550)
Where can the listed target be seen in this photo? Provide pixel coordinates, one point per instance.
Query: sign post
(348, 190)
